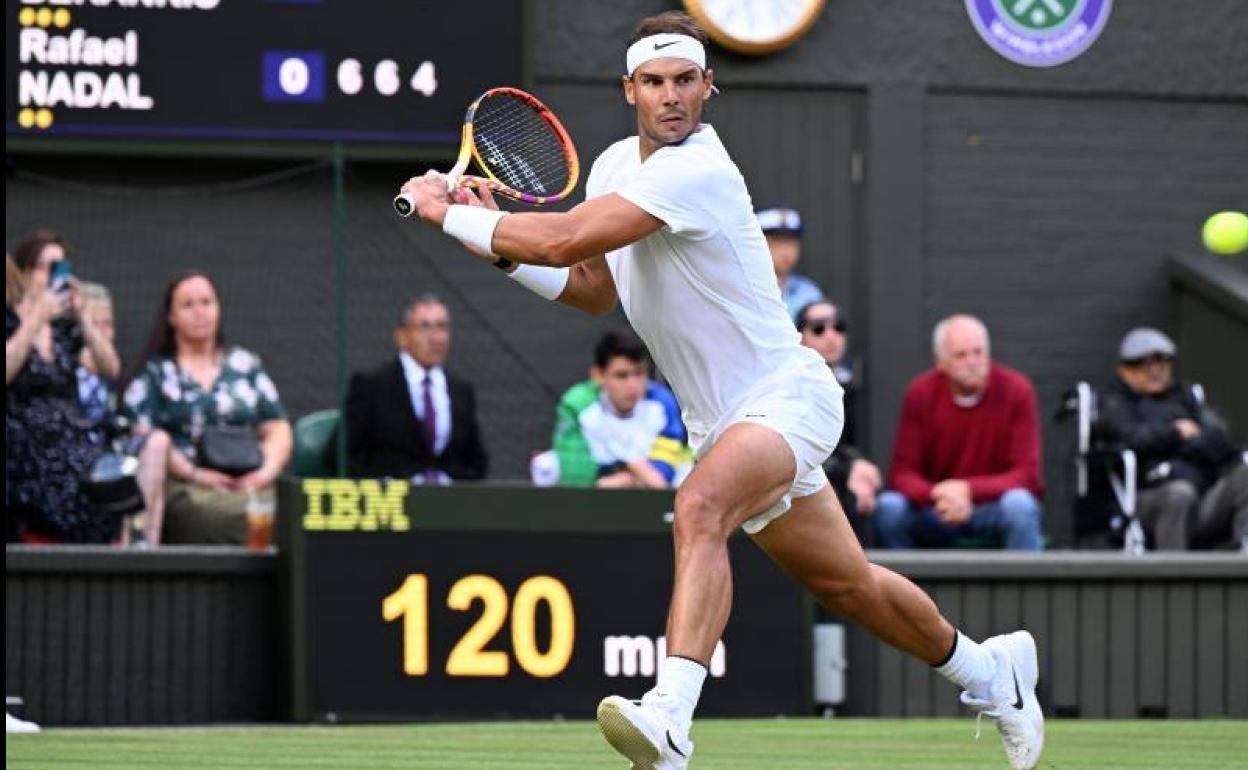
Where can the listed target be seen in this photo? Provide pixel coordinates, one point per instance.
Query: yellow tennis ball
(1226, 232)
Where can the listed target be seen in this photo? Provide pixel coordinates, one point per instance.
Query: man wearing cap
(783, 228)
(1193, 482)
(668, 232)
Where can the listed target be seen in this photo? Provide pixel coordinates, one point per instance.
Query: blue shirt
(798, 292)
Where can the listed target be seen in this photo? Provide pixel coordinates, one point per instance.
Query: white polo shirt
(701, 291)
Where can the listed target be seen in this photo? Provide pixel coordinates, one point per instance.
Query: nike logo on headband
(657, 46)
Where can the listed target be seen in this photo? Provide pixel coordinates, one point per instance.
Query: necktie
(430, 426)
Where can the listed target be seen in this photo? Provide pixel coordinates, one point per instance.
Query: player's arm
(574, 241)
(590, 287)
(589, 230)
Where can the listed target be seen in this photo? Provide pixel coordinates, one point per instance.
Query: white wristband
(473, 225)
(546, 282)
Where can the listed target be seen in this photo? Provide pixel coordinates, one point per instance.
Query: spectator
(856, 479)
(620, 429)
(1194, 483)
(412, 418)
(48, 447)
(97, 398)
(966, 460)
(95, 392)
(783, 229)
(187, 381)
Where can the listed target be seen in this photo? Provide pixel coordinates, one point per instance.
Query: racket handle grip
(404, 204)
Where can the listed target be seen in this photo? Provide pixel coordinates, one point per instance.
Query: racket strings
(524, 155)
(518, 126)
(519, 147)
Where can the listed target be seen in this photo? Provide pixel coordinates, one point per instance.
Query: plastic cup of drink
(260, 510)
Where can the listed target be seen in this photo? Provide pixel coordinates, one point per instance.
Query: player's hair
(420, 300)
(669, 21)
(26, 252)
(619, 343)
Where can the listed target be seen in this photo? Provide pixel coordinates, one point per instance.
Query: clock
(755, 26)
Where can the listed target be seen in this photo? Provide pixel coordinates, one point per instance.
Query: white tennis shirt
(701, 290)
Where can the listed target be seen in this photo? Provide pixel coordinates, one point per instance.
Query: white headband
(662, 45)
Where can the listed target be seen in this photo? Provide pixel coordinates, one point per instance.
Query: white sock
(680, 685)
(969, 665)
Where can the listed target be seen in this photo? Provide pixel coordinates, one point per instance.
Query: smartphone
(58, 279)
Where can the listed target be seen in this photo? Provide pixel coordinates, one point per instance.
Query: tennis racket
(521, 146)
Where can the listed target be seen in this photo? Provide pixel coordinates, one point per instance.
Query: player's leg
(748, 470)
(816, 545)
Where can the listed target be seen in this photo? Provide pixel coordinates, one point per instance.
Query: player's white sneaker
(644, 733)
(1011, 700)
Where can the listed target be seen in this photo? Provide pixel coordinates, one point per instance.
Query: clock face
(755, 26)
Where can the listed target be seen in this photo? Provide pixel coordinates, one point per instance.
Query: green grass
(788, 744)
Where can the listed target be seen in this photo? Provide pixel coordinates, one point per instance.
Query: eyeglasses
(428, 326)
(1156, 359)
(822, 325)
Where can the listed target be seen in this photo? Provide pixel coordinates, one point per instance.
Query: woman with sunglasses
(855, 478)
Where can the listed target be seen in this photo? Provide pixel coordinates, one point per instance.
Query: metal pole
(340, 303)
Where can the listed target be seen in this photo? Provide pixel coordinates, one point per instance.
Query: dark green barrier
(178, 635)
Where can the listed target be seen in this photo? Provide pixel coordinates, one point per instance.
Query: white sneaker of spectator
(14, 725)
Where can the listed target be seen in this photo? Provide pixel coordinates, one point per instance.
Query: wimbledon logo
(1039, 33)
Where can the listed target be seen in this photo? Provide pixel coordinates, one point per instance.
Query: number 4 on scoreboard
(469, 656)
(425, 79)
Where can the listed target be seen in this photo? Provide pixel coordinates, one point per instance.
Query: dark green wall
(936, 176)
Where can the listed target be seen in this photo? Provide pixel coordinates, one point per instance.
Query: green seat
(314, 434)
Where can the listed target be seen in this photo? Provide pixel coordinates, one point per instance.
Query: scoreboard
(480, 602)
(374, 71)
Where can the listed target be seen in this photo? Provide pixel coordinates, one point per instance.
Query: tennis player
(668, 231)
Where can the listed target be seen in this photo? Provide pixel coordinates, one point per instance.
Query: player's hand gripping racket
(521, 146)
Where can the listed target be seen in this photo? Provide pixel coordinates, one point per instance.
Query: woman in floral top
(190, 380)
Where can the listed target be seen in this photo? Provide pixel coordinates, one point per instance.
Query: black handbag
(112, 484)
(231, 449)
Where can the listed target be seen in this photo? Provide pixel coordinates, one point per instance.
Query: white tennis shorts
(807, 409)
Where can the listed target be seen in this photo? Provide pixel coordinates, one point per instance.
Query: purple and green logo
(1039, 33)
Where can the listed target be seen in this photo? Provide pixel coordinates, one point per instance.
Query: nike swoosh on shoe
(673, 746)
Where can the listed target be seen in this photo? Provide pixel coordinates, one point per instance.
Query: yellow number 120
(469, 656)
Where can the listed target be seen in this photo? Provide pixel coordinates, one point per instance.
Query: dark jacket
(385, 438)
(1145, 424)
(838, 465)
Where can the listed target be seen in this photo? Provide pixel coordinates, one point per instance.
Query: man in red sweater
(966, 461)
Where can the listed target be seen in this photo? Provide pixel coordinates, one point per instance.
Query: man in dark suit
(412, 419)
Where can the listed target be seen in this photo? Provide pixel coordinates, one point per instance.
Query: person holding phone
(48, 445)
